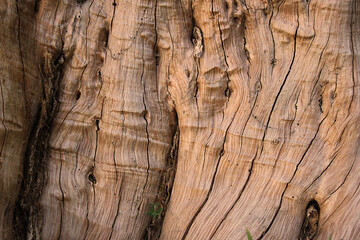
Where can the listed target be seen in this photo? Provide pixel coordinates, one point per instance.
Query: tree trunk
(257, 101)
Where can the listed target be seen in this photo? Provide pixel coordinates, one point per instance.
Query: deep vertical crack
(146, 121)
(227, 90)
(282, 85)
(92, 178)
(352, 22)
(114, 160)
(113, 16)
(117, 211)
(26, 217)
(3, 119)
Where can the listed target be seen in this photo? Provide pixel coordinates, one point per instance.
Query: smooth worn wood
(264, 94)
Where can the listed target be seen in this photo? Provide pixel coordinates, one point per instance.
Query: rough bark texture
(265, 96)
(20, 89)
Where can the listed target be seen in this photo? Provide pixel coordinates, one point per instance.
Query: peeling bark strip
(28, 213)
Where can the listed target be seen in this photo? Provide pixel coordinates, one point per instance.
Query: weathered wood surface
(19, 100)
(265, 95)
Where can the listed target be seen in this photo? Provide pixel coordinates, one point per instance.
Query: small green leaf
(330, 237)
(248, 234)
(154, 210)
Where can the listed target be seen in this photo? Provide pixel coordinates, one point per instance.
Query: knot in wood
(197, 40)
(258, 86)
(92, 178)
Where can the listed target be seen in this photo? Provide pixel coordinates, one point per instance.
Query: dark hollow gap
(78, 95)
(92, 178)
(97, 122)
(27, 219)
(153, 230)
(36, 5)
(311, 221)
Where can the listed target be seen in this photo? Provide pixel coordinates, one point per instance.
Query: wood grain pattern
(292, 116)
(265, 96)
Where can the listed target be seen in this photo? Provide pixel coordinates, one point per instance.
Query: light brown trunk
(265, 96)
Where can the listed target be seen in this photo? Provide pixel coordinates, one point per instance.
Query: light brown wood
(265, 96)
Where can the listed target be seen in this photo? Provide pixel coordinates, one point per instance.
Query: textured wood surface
(19, 99)
(265, 95)
(287, 134)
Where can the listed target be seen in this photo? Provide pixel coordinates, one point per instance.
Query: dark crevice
(247, 53)
(145, 116)
(3, 120)
(91, 177)
(153, 230)
(27, 219)
(114, 160)
(117, 210)
(62, 204)
(37, 5)
(196, 91)
(352, 19)
(78, 95)
(198, 42)
(292, 177)
(311, 221)
(227, 90)
(113, 16)
(156, 51)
